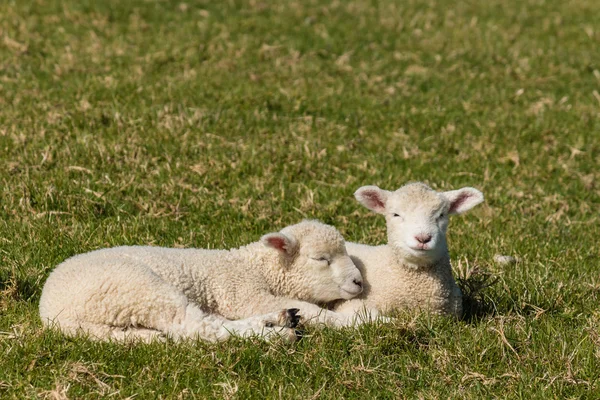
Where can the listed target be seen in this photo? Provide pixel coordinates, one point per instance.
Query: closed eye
(322, 259)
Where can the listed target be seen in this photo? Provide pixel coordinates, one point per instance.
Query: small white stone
(505, 260)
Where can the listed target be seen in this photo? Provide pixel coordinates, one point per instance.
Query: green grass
(210, 123)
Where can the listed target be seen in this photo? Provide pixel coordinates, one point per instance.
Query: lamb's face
(417, 217)
(320, 265)
(329, 271)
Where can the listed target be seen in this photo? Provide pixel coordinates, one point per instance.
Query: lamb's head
(417, 217)
(316, 261)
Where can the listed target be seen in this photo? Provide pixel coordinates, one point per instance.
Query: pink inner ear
(277, 243)
(373, 199)
(455, 205)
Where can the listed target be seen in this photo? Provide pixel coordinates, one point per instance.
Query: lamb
(142, 292)
(413, 270)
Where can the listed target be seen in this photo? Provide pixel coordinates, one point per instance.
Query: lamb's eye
(398, 217)
(322, 259)
(441, 216)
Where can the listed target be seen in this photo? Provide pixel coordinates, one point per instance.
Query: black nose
(357, 283)
(422, 238)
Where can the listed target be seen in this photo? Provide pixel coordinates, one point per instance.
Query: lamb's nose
(423, 238)
(357, 283)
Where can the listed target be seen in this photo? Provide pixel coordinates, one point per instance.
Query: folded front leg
(310, 314)
(213, 327)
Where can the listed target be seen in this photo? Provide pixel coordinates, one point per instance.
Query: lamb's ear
(372, 197)
(284, 244)
(462, 200)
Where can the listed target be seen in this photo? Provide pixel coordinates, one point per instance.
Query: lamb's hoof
(289, 318)
(293, 335)
(293, 319)
(299, 334)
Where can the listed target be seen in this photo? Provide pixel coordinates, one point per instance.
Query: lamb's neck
(283, 283)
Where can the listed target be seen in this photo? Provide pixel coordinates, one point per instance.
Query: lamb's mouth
(421, 250)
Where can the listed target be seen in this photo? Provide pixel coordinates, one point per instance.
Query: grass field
(209, 123)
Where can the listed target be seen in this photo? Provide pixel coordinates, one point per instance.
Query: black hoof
(299, 334)
(293, 319)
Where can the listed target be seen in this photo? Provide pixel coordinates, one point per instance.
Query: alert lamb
(413, 270)
(144, 292)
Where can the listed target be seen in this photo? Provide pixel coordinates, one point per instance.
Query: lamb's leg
(196, 324)
(360, 310)
(216, 328)
(356, 307)
(268, 325)
(309, 313)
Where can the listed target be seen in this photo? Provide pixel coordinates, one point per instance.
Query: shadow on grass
(18, 289)
(475, 287)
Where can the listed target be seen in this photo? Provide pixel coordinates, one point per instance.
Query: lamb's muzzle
(353, 287)
(423, 238)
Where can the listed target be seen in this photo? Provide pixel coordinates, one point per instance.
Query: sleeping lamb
(145, 292)
(413, 270)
